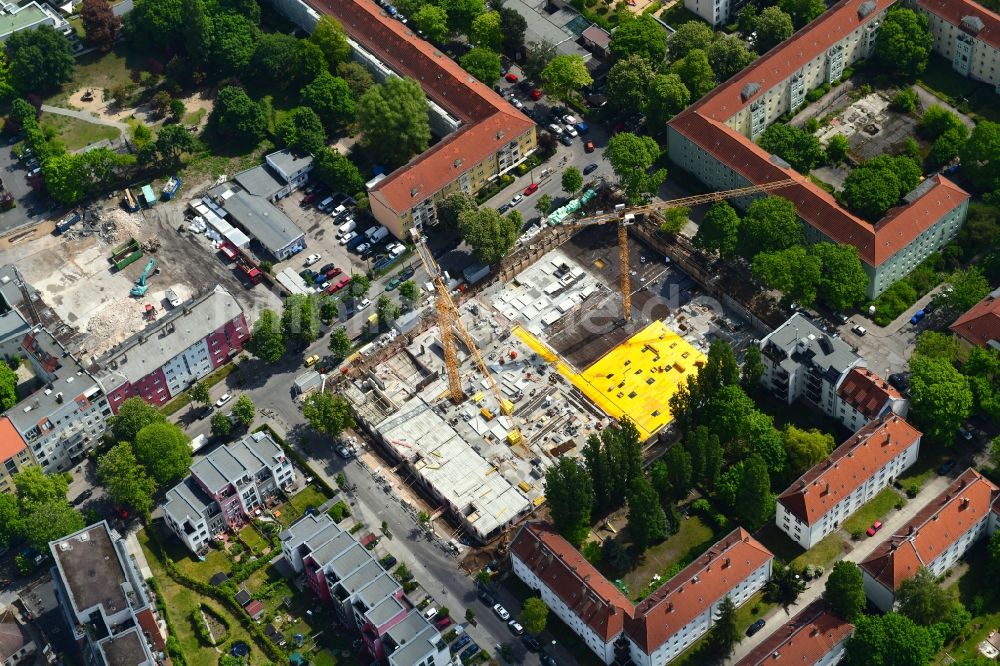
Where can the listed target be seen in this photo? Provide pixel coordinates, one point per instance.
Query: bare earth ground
(100, 108)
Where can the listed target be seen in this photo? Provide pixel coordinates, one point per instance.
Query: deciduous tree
(461, 13)
(331, 98)
(642, 36)
(40, 59)
(100, 24)
(164, 450)
(891, 639)
(221, 425)
(237, 117)
(483, 64)
(696, 73)
(244, 411)
(802, 11)
(125, 479)
(330, 38)
(564, 76)
(792, 271)
(631, 158)
(796, 146)
(785, 585)
(770, 224)
(754, 501)
(490, 234)
(979, 162)
(340, 343)
(668, 96)
(327, 413)
(941, 397)
(300, 319)
(904, 42)
(688, 37)
(234, 40)
(8, 387)
(283, 63)
(357, 77)
(302, 131)
(845, 591)
(968, 287)
(534, 615)
(646, 521)
(433, 22)
(728, 56)
(453, 205)
(719, 230)
(843, 282)
(267, 339)
(487, 32)
(923, 599)
(387, 311)
(837, 149)
(513, 27)
(805, 448)
(394, 119)
(572, 181)
(569, 494)
(133, 415)
(628, 83)
(753, 368)
(773, 26)
(199, 392)
(337, 171)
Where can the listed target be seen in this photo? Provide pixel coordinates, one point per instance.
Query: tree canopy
(394, 119)
(806, 448)
(754, 501)
(125, 479)
(792, 271)
(490, 234)
(564, 76)
(8, 387)
(979, 162)
(667, 96)
(940, 396)
(237, 117)
(327, 413)
(904, 42)
(100, 24)
(487, 32)
(728, 56)
(631, 157)
(773, 26)
(796, 146)
(647, 523)
(845, 591)
(332, 100)
(483, 64)
(300, 319)
(719, 230)
(302, 131)
(133, 415)
(433, 22)
(337, 172)
(628, 83)
(569, 495)
(688, 37)
(877, 185)
(164, 450)
(267, 339)
(843, 282)
(534, 615)
(696, 73)
(330, 38)
(642, 36)
(890, 640)
(802, 11)
(40, 59)
(770, 224)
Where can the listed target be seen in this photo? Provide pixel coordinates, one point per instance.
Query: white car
(348, 237)
(501, 612)
(226, 397)
(516, 627)
(570, 130)
(516, 200)
(570, 120)
(430, 612)
(859, 330)
(365, 302)
(517, 103)
(361, 249)
(555, 129)
(312, 259)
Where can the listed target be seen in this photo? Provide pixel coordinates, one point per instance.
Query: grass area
(692, 538)
(969, 96)
(678, 15)
(926, 466)
(296, 506)
(696, 654)
(77, 24)
(252, 538)
(193, 117)
(184, 399)
(101, 71)
(983, 601)
(209, 163)
(754, 608)
(822, 554)
(76, 133)
(876, 509)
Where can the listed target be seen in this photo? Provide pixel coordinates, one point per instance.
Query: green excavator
(141, 285)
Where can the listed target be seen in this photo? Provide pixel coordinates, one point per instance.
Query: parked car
(555, 129)
(876, 526)
(430, 612)
(312, 360)
(531, 643)
(388, 562)
(348, 237)
(344, 452)
(460, 643)
(546, 659)
(841, 317)
(590, 168)
(755, 627)
(566, 140)
(83, 497)
(516, 627)
(571, 131)
(518, 104)
(444, 623)
(859, 330)
(503, 208)
(511, 76)
(588, 146)
(569, 120)
(365, 302)
(327, 268)
(470, 652)
(312, 259)
(536, 94)
(964, 433)
(501, 612)
(917, 316)
(223, 399)
(364, 247)
(530, 189)
(516, 200)
(946, 467)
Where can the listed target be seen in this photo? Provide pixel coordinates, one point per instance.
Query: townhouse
(104, 599)
(979, 326)
(935, 538)
(663, 625)
(819, 501)
(714, 139)
(226, 489)
(815, 636)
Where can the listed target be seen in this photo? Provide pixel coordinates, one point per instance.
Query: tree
(754, 501)
(674, 219)
(394, 119)
(993, 555)
(433, 22)
(50, 521)
(570, 495)
(11, 526)
(327, 413)
(331, 98)
(806, 448)
(360, 284)
(724, 634)
(728, 56)
(873, 188)
(792, 271)
(337, 172)
(300, 319)
(785, 584)
(487, 32)
(125, 479)
(100, 24)
(968, 287)
(695, 72)
(796, 146)
(534, 615)
(688, 37)
(843, 282)
(904, 42)
(746, 20)
(164, 450)
(237, 117)
(753, 368)
(679, 469)
(483, 64)
(302, 131)
(40, 59)
(905, 101)
(647, 522)
(639, 36)
(388, 312)
(770, 224)
(330, 38)
(979, 162)
(221, 425)
(8, 387)
(451, 207)
(572, 181)
(35, 487)
(267, 339)
(948, 146)
(544, 204)
(941, 397)
(936, 120)
(512, 26)
(172, 141)
(773, 26)
(340, 343)
(802, 11)
(490, 234)
(923, 599)
(892, 640)
(845, 591)
(982, 369)
(244, 411)
(199, 393)
(719, 230)
(234, 40)
(357, 77)
(409, 292)
(177, 110)
(157, 22)
(668, 96)
(628, 83)
(461, 13)
(283, 63)
(133, 415)
(564, 76)
(537, 57)
(197, 31)
(631, 157)
(837, 149)
(937, 345)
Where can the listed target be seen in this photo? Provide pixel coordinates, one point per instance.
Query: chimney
(670, 607)
(910, 530)
(726, 563)
(965, 504)
(827, 491)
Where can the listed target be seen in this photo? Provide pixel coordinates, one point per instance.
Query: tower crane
(626, 217)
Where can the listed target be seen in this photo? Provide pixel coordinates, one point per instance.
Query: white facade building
(968, 35)
(814, 637)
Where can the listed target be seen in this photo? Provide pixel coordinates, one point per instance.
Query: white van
(375, 234)
(338, 211)
(350, 225)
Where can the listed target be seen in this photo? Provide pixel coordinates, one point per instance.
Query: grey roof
(973, 24)
(362, 577)
(780, 162)
(122, 8)
(348, 561)
(186, 500)
(380, 587)
(384, 610)
(749, 90)
(262, 220)
(91, 570)
(13, 636)
(418, 646)
(259, 181)
(800, 342)
(305, 527)
(920, 190)
(126, 649)
(332, 548)
(866, 8)
(289, 162)
(226, 465)
(243, 597)
(147, 351)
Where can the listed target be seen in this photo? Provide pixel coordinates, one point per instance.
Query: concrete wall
(298, 12)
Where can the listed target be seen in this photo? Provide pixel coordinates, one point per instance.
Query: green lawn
(942, 81)
(823, 553)
(746, 614)
(295, 508)
(193, 117)
(678, 15)
(926, 467)
(252, 538)
(211, 380)
(692, 539)
(100, 71)
(876, 509)
(754, 608)
(981, 600)
(77, 133)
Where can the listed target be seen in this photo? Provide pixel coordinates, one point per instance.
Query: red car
(337, 286)
(588, 147)
(531, 189)
(876, 526)
(511, 76)
(443, 623)
(536, 94)
(333, 272)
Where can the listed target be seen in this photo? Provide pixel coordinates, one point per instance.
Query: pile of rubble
(116, 321)
(118, 226)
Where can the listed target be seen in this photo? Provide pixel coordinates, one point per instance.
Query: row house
(815, 636)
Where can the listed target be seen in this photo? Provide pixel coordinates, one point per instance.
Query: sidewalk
(776, 618)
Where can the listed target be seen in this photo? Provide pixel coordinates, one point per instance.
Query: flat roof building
(265, 223)
(14, 18)
(282, 173)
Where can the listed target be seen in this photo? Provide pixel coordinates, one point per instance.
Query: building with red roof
(492, 136)
(825, 496)
(935, 538)
(980, 325)
(968, 35)
(15, 455)
(714, 139)
(660, 627)
(814, 637)
(863, 396)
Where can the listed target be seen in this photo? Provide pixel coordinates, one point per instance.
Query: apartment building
(714, 139)
(171, 354)
(935, 538)
(365, 597)
(104, 599)
(718, 13)
(824, 497)
(979, 326)
(226, 489)
(14, 453)
(863, 396)
(663, 625)
(490, 139)
(968, 35)
(814, 637)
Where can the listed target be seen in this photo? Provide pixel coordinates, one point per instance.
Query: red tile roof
(254, 608)
(591, 596)
(11, 442)
(489, 122)
(866, 392)
(702, 583)
(981, 323)
(850, 465)
(953, 11)
(703, 124)
(918, 543)
(805, 639)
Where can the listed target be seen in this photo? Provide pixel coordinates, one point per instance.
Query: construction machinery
(141, 285)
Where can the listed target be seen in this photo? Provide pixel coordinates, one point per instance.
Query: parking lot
(31, 206)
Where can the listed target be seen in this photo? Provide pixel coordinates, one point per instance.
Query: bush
(912, 490)
(905, 101)
(339, 511)
(857, 534)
